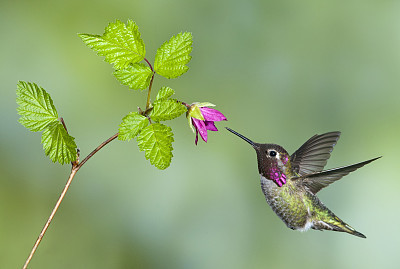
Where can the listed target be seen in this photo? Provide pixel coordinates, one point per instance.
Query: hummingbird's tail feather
(354, 232)
(337, 225)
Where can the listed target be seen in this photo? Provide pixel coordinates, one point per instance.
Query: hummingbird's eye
(272, 153)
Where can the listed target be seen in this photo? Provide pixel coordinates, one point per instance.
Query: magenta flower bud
(202, 118)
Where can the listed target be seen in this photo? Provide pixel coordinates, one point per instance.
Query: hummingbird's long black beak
(242, 137)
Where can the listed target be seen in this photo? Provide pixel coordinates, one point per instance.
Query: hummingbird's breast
(289, 202)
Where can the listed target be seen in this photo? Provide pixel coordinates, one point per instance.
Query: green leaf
(58, 144)
(156, 141)
(120, 44)
(35, 107)
(136, 76)
(167, 110)
(164, 93)
(173, 55)
(131, 125)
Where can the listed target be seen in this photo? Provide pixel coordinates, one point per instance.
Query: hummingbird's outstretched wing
(312, 156)
(316, 181)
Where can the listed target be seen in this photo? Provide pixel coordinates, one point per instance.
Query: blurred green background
(281, 71)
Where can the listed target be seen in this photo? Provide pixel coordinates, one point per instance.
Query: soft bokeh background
(281, 71)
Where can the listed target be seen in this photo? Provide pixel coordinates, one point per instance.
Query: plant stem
(75, 167)
(185, 104)
(151, 84)
(63, 123)
(149, 64)
(149, 92)
(96, 150)
(71, 176)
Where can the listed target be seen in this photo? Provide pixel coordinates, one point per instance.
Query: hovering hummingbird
(290, 183)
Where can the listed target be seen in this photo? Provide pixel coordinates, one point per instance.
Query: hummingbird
(290, 182)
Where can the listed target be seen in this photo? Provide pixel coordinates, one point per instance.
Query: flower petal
(201, 128)
(211, 114)
(197, 123)
(210, 126)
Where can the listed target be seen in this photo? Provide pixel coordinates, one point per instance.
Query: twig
(74, 170)
(150, 85)
(63, 123)
(149, 92)
(71, 176)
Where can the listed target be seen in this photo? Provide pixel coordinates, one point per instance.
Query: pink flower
(203, 118)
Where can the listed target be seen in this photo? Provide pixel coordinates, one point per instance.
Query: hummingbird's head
(273, 160)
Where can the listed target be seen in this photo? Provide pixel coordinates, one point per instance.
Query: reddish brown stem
(63, 123)
(151, 84)
(75, 167)
(149, 64)
(149, 92)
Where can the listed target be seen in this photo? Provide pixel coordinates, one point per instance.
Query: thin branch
(71, 176)
(185, 104)
(149, 64)
(74, 170)
(149, 92)
(63, 123)
(96, 150)
(151, 84)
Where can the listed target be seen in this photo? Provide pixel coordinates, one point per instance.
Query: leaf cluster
(123, 47)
